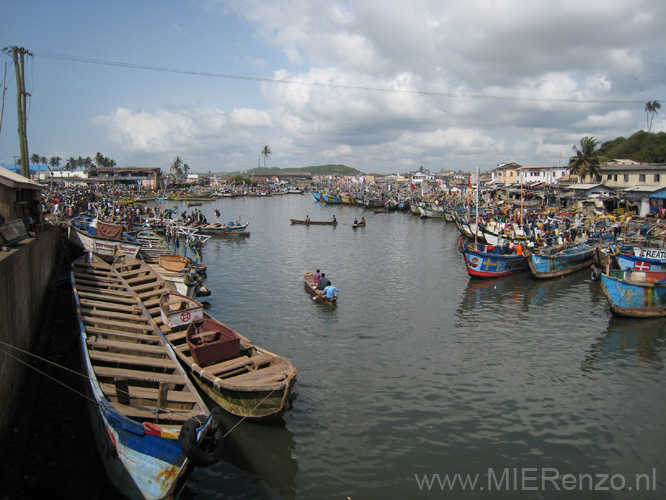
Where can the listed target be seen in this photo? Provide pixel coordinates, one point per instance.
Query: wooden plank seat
(150, 393)
(147, 415)
(149, 337)
(98, 343)
(146, 376)
(97, 313)
(119, 293)
(117, 324)
(107, 297)
(255, 376)
(236, 363)
(133, 360)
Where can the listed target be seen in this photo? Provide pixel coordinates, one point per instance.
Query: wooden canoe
(308, 279)
(256, 384)
(555, 261)
(315, 222)
(358, 224)
(174, 262)
(635, 294)
(140, 398)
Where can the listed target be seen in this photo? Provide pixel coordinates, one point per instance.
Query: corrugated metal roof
(16, 181)
(643, 189)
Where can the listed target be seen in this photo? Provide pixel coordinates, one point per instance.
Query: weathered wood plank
(151, 394)
(111, 372)
(150, 336)
(128, 359)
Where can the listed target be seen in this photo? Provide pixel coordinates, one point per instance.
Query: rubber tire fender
(596, 273)
(211, 447)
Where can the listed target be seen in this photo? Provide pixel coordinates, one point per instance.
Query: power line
(65, 57)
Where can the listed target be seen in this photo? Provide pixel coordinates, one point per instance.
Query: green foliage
(643, 147)
(329, 170)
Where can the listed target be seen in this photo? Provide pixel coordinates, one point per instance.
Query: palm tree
(587, 159)
(54, 162)
(177, 167)
(265, 153)
(186, 168)
(651, 108)
(99, 160)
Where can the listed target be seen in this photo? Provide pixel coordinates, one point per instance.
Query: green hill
(314, 170)
(642, 147)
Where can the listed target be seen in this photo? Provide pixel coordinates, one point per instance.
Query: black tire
(210, 448)
(596, 274)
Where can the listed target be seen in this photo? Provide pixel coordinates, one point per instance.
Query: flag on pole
(469, 181)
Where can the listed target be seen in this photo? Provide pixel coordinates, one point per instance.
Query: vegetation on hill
(643, 147)
(314, 170)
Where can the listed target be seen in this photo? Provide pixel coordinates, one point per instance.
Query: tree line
(80, 163)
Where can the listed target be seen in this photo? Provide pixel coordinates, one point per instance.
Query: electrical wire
(66, 57)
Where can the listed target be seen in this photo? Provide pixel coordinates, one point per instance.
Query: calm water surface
(420, 370)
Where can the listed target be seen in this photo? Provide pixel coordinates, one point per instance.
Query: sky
(380, 86)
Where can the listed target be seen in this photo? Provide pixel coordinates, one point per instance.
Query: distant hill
(642, 147)
(314, 170)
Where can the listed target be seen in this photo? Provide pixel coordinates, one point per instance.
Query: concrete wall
(25, 273)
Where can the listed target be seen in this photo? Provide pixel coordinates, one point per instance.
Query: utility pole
(18, 54)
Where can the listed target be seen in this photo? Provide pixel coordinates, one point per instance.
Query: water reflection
(627, 343)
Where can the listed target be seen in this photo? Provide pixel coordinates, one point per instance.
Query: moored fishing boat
(218, 228)
(253, 383)
(642, 259)
(635, 294)
(560, 260)
(489, 261)
(311, 286)
(100, 238)
(150, 424)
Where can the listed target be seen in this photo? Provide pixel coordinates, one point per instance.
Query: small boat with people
(360, 223)
(308, 222)
(317, 295)
(491, 261)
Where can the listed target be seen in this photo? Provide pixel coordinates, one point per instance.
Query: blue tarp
(661, 195)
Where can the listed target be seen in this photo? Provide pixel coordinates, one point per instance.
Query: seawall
(26, 271)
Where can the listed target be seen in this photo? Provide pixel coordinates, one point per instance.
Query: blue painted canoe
(488, 261)
(331, 199)
(649, 259)
(557, 261)
(635, 294)
(144, 410)
(317, 196)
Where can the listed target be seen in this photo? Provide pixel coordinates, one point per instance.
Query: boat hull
(308, 280)
(491, 265)
(101, 246)
(561, 264)
(633, 298)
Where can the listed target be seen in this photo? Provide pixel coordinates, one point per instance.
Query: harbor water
(421, 373)
(423, 383)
